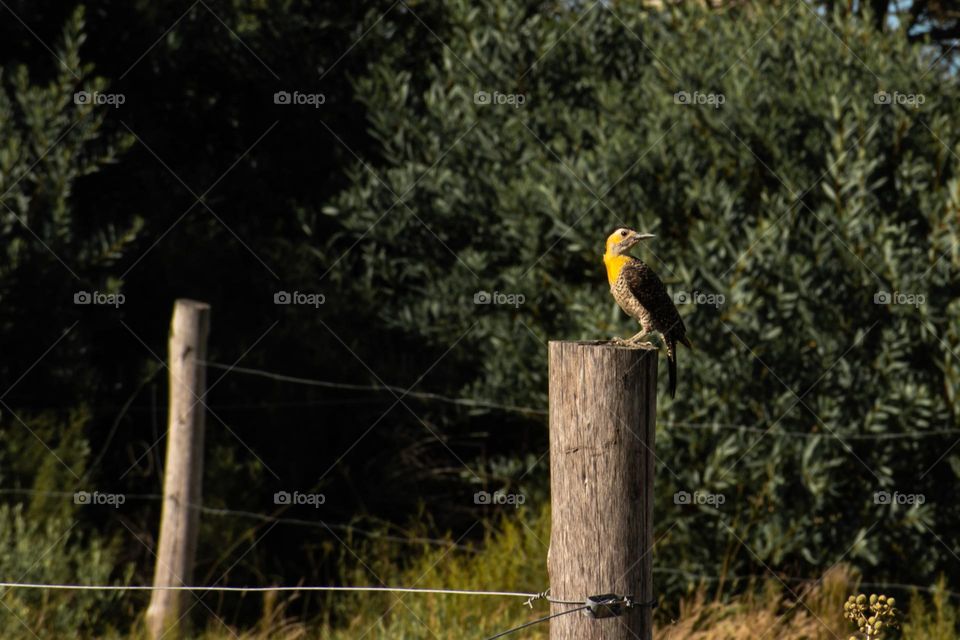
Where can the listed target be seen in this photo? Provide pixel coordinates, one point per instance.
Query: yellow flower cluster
(873, 618)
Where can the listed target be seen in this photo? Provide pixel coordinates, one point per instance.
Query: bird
(642, 295)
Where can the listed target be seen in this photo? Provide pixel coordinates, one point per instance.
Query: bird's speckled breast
(629, 303)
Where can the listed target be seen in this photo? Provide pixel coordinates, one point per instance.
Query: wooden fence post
(183, 473)
(603, 407)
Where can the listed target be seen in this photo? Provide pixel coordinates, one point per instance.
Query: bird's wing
(650, 292)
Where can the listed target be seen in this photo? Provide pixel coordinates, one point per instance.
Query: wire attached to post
(537, 596)
(611, 605)
(545, 595)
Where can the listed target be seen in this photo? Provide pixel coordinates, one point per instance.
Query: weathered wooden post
(183, 473)
(603, 404)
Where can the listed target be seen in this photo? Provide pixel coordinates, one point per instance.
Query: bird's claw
(632, 342)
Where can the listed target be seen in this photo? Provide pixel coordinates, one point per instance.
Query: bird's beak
(643, 236)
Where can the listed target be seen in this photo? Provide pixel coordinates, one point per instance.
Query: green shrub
(54, 551)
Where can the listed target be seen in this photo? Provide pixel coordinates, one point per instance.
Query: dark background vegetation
(798, 200)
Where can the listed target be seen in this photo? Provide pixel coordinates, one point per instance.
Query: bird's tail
(672, 362)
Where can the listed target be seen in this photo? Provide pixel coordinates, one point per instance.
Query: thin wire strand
(545, 595)
(469, 402)
(116, 587)
(530, 597)
(219, 512)
(707, 426)
(759, 576)
(537, 621)
(488, 404)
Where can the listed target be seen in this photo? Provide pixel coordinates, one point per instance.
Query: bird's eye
(623, 233)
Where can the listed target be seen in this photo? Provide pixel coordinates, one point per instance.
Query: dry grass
(771, 611)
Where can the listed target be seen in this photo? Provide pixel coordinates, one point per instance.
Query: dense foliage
(786, 187)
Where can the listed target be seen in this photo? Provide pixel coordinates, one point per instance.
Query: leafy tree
(52, 139)
(800, 166)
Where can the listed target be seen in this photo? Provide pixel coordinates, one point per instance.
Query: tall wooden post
(603, 407)
(183, 473)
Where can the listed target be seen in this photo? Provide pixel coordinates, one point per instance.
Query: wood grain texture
(183, 473)
(602, 425)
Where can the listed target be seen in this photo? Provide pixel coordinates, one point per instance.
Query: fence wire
(511, 408)
(223, 512)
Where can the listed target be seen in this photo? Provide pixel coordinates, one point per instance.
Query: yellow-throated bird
(641, 294)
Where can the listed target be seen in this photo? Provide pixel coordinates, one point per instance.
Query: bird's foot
(646, 339)
(635, 341)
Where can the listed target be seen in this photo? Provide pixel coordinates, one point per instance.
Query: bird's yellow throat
(614, 265)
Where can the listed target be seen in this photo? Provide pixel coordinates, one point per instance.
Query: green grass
(512, 558)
